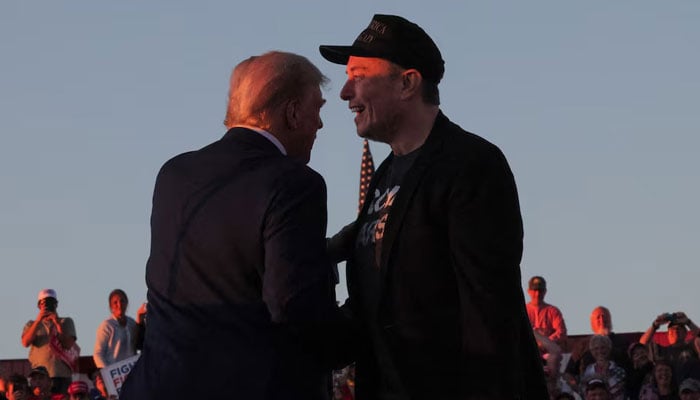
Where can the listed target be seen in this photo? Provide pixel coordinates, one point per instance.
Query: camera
(49, 304)
(670, 317)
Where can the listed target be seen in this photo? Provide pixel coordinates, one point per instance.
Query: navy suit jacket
(451, 308)
(240, 288)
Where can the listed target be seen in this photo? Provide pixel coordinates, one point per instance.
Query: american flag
(366, 172)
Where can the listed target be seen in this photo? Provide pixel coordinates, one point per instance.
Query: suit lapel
(407, 191)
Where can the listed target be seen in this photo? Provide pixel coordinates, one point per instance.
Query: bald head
(601, 321)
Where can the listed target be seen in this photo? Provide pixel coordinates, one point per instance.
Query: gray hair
(600, 339)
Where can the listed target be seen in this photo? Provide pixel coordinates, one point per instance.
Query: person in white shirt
(118, 337)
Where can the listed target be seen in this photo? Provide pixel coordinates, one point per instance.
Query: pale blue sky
(596, 104)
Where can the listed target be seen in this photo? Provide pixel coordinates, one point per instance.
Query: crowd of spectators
(612, 367)
(54, 353)
(600, 366)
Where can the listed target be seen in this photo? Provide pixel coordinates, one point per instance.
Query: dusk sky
(596, 105)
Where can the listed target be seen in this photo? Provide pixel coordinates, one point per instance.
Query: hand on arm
(340, 245)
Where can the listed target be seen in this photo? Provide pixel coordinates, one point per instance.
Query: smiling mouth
(357, 109)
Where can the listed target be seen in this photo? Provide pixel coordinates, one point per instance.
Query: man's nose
(346, 91)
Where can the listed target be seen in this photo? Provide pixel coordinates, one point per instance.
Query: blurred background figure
(689, 389)
(78, 390)
(680, 351)
(640, 369)
(17, 388)
(40, 384)
(544, 318)
(52, 341)
(119, 336)
(601, 324)
(596, 389)
(662, 386)
(604, 368)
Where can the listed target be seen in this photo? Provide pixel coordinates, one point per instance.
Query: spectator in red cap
(51, 341)
(544, 318)
(78, 390)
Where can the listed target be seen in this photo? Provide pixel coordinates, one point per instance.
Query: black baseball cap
(537, 283)
(39, 370)
(395, 39)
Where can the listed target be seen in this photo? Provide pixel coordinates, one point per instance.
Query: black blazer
(452, 310)
(240, 291)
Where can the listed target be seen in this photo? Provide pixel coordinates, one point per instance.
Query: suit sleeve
(485, 233)
(297, 282)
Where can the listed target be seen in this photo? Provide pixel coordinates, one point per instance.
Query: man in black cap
(545, 318)
(40, 383)
(433, 258)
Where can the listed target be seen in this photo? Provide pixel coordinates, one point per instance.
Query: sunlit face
(100, 385)
(676, 333)
(373, 92)
(600, 321)
(118, 305)
(536, 296)
(309, 117)
(597, 394)
(663, 374)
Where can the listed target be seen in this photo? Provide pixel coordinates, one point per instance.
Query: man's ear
(291, 114)
(411, 81)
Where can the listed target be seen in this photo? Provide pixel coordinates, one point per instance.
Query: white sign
(115, 374)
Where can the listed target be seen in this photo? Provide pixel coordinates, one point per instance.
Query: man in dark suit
(433, 258)
(240, 288)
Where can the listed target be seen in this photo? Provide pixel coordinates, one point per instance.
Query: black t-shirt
(367, 251)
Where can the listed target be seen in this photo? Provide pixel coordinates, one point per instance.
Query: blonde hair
(261, 84)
